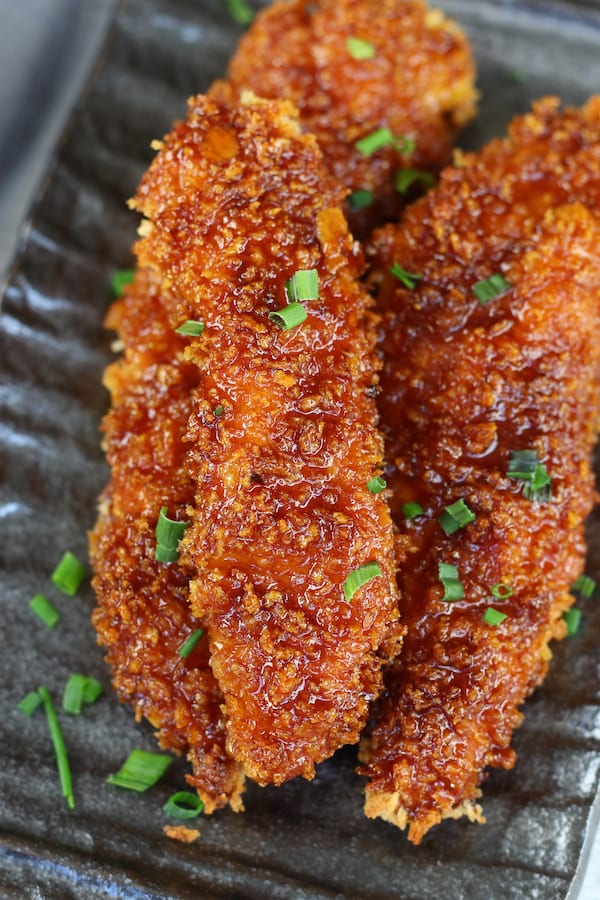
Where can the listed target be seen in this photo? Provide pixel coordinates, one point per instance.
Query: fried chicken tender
(464, 385)
(282, 437)
(418, 83)
(143, 616)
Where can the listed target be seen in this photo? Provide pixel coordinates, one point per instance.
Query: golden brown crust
(463, 386)
(419, 84)
(238, 200)
(181, 833)
(143, 617)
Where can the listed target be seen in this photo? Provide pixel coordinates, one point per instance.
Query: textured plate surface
(302, 840)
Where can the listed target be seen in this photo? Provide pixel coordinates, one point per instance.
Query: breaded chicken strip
(282, 437)
(143, 616)
(465, 385)
(414, 75)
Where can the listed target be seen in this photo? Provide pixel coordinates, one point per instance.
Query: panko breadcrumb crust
(281, 439)
(464, 385)
(419, 83)
(142, 615)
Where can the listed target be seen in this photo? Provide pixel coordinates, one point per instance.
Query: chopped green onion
(456, 517)
(241, 11)
(60, 750)
(119, 281)
(165, 554)
(572, 619)
(141, 770)
(218, 411)
(524, 465)
(191, 328)
(491, 287)
(183, 805)
(412, 510)
(453, 588)
(360, 199)
(69, 574)
(303, 285)
(359, 49)
(540, 489)
(376, 485)
(368, 145)
(44, 610)
(289, 317)
(501, 591)
(383, 137)
(168, 534)
(30, 703)
(80, 689)
(519, 75)
(584, 586)
(189, 644)
(493, 616)
(408, 279)
(360, 576)
(405, 178)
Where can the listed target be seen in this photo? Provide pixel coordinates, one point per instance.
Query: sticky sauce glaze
(464, 385)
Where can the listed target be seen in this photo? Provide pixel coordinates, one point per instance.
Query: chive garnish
(412, 510)
(218, 411)
(191, 328)
(456, 516)
(30, 703)
(377, 484)
(383, 137)
(189, 644)
(240, 10)
(493, 616)
(360, 49)
(183, 805)
(165, 554)
(69, 574)
(525, 466)
(408, 279)
(572, 619)
(519, 75)
(289, 317)
(584, 586)
(368, 145)
(141, 770)
(360, 576)
(522, 464)
(80, 689)
(44, 610)
(303, 285)
(60, 750)
(490, 288)
(501, 591)
(119, 281)
(453, 588)
(168, 534)
(360, 199)
(405, 178)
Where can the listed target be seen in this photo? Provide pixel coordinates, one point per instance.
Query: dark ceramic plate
(300, 841)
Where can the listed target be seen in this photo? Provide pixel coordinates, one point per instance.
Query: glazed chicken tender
(142, 616)
(353, 68)
(475, 391)
(281, 438)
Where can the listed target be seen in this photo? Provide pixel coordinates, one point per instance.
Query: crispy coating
(282, 437)
(463, 385)
(143, 616)
(419, 84)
